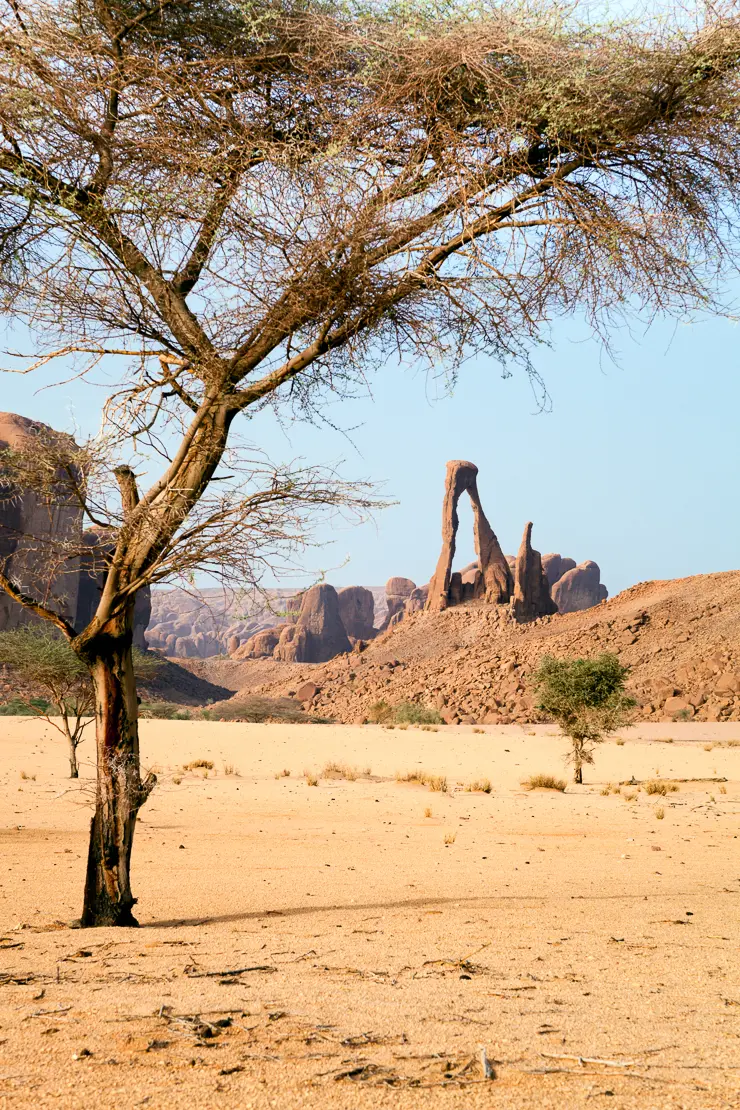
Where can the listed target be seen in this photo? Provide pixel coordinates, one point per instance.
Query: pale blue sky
(637, 466)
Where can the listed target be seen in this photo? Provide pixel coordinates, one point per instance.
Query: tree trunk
(578, 773)
(74, 770)
(120, 791)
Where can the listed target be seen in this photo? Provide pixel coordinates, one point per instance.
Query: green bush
(163, 711)
(410, 713)
(587, 698)
(17, 707)
(256, 710)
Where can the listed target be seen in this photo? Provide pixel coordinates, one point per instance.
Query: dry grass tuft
(480, 731)
(629, 796)
(450, 838)
(479, 786)
(333, 770)
(312, 779)
(663, 739)
(619, 742)
(284, 774)
(199, 764)
(230, 769)
(428, 811)
(723, 789)
(437, 783)
(660, 786)
(177, 780)
(659, 813)
(544, 782)
(708, 747)
(27, 778)
(427, 728)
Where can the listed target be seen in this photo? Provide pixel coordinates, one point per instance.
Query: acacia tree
(587, 698)
(251, 204)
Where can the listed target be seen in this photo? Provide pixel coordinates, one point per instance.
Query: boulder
(308, 691)
(397, 591)
(416, 600)
(531, 589)
(293, 645)
(232, 645)
(261, 645)
(555, 566)
(579, 588)
(495, 583)
(357, 612)
(675, 706)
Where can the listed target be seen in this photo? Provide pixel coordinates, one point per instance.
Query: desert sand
(335, 946)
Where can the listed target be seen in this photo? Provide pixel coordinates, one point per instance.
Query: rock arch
(495, 582)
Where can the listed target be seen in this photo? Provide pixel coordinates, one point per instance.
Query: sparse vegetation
(230, 769)
(437, 783)
(450, 838)
(177, 779)
(619, 742)
(198, 765)
(544, 782)
(479, 786)
(405, 713)
(663, 739)
(257, 710)
(660, 813)
(163, 711)
(723, 789)
(708, 747)
(312, 779)
(481, 731)
(587, 699)
(27, 778)
(284, 774)
(659, 786)
(333, 770)
(428, 811)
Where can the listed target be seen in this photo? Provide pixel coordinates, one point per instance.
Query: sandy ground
(353, 944)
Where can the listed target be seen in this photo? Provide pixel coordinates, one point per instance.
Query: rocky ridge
(472, 661)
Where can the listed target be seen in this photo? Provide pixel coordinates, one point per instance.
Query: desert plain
(358, 942)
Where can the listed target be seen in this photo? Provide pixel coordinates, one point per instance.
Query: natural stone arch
(495, 583)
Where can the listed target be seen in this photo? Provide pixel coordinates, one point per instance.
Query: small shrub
(199, 765)
(257, 710)
(17, 707)
(660, 813)
(428, 811)
(177, 780)
(722, 789)
(708, 747)
(380, 713)
(658, 786)
(605, 792)
(544, 782)
(28, 778)
(284, 774)
(629, 796)
(482, 731)
(312, 779)
(682, 715)
(163, 711)
(410, 713)
(479, 786)
(663, 739)
(438, 783)
(450, 838)
(619, 742)
(230, 769)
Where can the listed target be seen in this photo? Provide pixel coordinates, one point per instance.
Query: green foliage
(257, 710)
(17, 707)
(40, 655)
(410, 713)
(163, 711)
(586, 697)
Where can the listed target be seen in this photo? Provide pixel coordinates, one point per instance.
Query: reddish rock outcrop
(555, 567)
(259, 646)
(357, 612)
(531, 589)
(496, 582)
(318, 635)
(579, 588)
(39, 535)
(397, 591)
(293, 646)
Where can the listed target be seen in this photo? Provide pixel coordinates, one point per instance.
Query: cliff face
(36, 533)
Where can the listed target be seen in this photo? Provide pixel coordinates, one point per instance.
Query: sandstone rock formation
(555, 566)
(39, 535)
(259, 646)
(357, 612)
(531, 589)
(579, 588)
(397, 591)
(321, 618)
(496, 582)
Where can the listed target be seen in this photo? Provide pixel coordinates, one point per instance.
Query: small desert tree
(47, 662)
(243, 204)
(587, 698)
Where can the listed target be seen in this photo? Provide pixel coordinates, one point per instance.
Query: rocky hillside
(472, 661)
